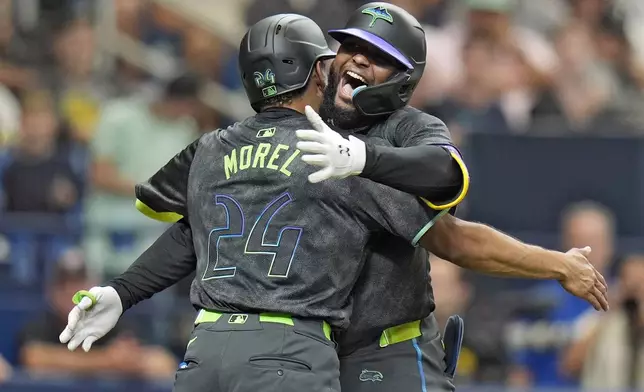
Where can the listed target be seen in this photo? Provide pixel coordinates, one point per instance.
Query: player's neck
(311, 97)
(297, 105)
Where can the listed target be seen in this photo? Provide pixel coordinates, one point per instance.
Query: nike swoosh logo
(191, 340)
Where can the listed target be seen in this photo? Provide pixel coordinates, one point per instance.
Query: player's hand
(95, 314)
(338, 157)
(583, 280)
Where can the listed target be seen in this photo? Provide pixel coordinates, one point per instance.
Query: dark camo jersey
(266, 239)
(393, 287)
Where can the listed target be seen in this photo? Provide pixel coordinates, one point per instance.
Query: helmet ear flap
(385, 98)
(406, 91)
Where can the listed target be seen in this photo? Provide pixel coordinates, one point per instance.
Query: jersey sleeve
(163, 196)
(418, 128)
(427, 171)
(171, 258)
(396, 212)
(421, 129)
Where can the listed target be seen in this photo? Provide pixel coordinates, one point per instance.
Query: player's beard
(338, 117)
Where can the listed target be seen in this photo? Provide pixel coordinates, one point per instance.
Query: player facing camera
(379, 64)
(281, 63)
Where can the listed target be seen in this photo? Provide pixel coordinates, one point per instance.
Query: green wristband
(82, 294)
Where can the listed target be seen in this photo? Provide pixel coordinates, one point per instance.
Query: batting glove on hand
(96, 312)
(338, 157)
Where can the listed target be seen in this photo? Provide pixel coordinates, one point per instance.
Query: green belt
(207, 316)
(400, 333)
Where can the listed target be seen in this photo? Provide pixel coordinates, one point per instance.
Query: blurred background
(544, 97)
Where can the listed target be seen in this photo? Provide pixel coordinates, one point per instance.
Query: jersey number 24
(280, 250)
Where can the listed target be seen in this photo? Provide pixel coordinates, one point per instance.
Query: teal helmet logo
(263, 79)
(266, 79)
(378, 13)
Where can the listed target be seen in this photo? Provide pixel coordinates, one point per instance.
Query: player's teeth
(356, 76)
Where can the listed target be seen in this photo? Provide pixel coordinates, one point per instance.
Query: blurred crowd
(82, 120)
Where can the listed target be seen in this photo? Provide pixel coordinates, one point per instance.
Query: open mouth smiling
(349, 82)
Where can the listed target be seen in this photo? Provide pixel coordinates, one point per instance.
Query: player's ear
(321, 75)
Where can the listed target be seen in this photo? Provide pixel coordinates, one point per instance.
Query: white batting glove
(96, 312)
(338, 157)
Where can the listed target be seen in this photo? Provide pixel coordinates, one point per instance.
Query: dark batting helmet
(277, 55)
(400, 36)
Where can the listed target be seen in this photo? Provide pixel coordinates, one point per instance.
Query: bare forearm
(483, 249)
(49, 357)
(107, 178)
(115, 185)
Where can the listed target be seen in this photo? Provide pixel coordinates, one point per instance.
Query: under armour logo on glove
(328, 149)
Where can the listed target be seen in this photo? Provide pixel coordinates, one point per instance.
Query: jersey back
(266, 239)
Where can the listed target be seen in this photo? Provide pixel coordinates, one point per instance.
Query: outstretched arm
(483, 249)
(170, 259)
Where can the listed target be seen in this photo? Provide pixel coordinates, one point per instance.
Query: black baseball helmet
(401, 37)
(277, 55)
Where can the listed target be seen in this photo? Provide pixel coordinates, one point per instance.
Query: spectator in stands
(13, 72)
(617, 54)
(133, 140)
(431, 12)
(599, 83)
(78, 88)
(164, 30)
(117, 354)
(474, 105)
(581, 88)
(611, 345)
(545, 351)
(39, 177)
(544, 16)
(527, 59)
(328, 14)
(482, 358)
